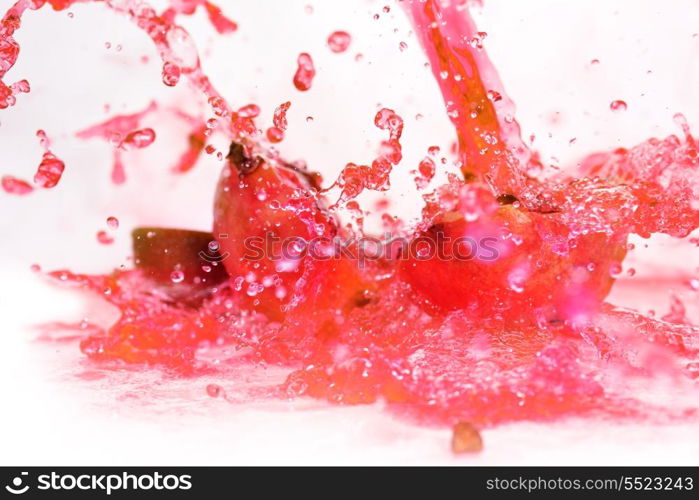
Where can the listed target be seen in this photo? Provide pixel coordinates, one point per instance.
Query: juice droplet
(140, 138)
(43, 139)
(113, 222)
(339, 41)
(494, 96)
(104, 238)
(618, 106)
(171, 74)
(177, 276)
(305, 72)
(279, 119)
(275, 134)
(13, 185)
(214, 390)
(218, 105)
(387, 119)
(249, 111)
(402, 46)
(49, 171)
(425, 173)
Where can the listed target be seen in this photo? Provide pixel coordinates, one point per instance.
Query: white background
(57, 408)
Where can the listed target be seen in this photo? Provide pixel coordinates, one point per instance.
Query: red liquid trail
(489, 141)
(525, 336)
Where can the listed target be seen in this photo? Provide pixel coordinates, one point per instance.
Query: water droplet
(12, 185)
(275, 135)
(214, 390)
(139, 138)
(305, 72)
(249, 111)
(171, 74)
(218, 105)
(618, 106)
(177, 276)
(494, 95)
(113, 222)
(279, 118)
(615, 269)
(339, 41)
(104, 238)
(49, 172)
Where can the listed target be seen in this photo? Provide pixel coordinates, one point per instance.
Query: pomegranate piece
(466, 439)
(502, 259)
(279, 239)
(183, 264)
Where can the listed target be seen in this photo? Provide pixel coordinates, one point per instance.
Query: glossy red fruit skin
(528, 276)
(163, 253)
(257, 197)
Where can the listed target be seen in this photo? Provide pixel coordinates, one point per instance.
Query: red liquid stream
(528, 336)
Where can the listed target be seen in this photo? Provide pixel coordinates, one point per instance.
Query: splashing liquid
(517, 329)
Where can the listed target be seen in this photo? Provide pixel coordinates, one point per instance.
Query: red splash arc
(522, 334)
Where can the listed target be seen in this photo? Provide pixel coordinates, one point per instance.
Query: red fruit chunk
(183, 264)
(507, 261)
(266, 215)
(466, 439)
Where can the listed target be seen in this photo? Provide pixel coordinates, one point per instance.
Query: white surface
(50, 415)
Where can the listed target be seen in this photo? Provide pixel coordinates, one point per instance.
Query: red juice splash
(520, 333)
